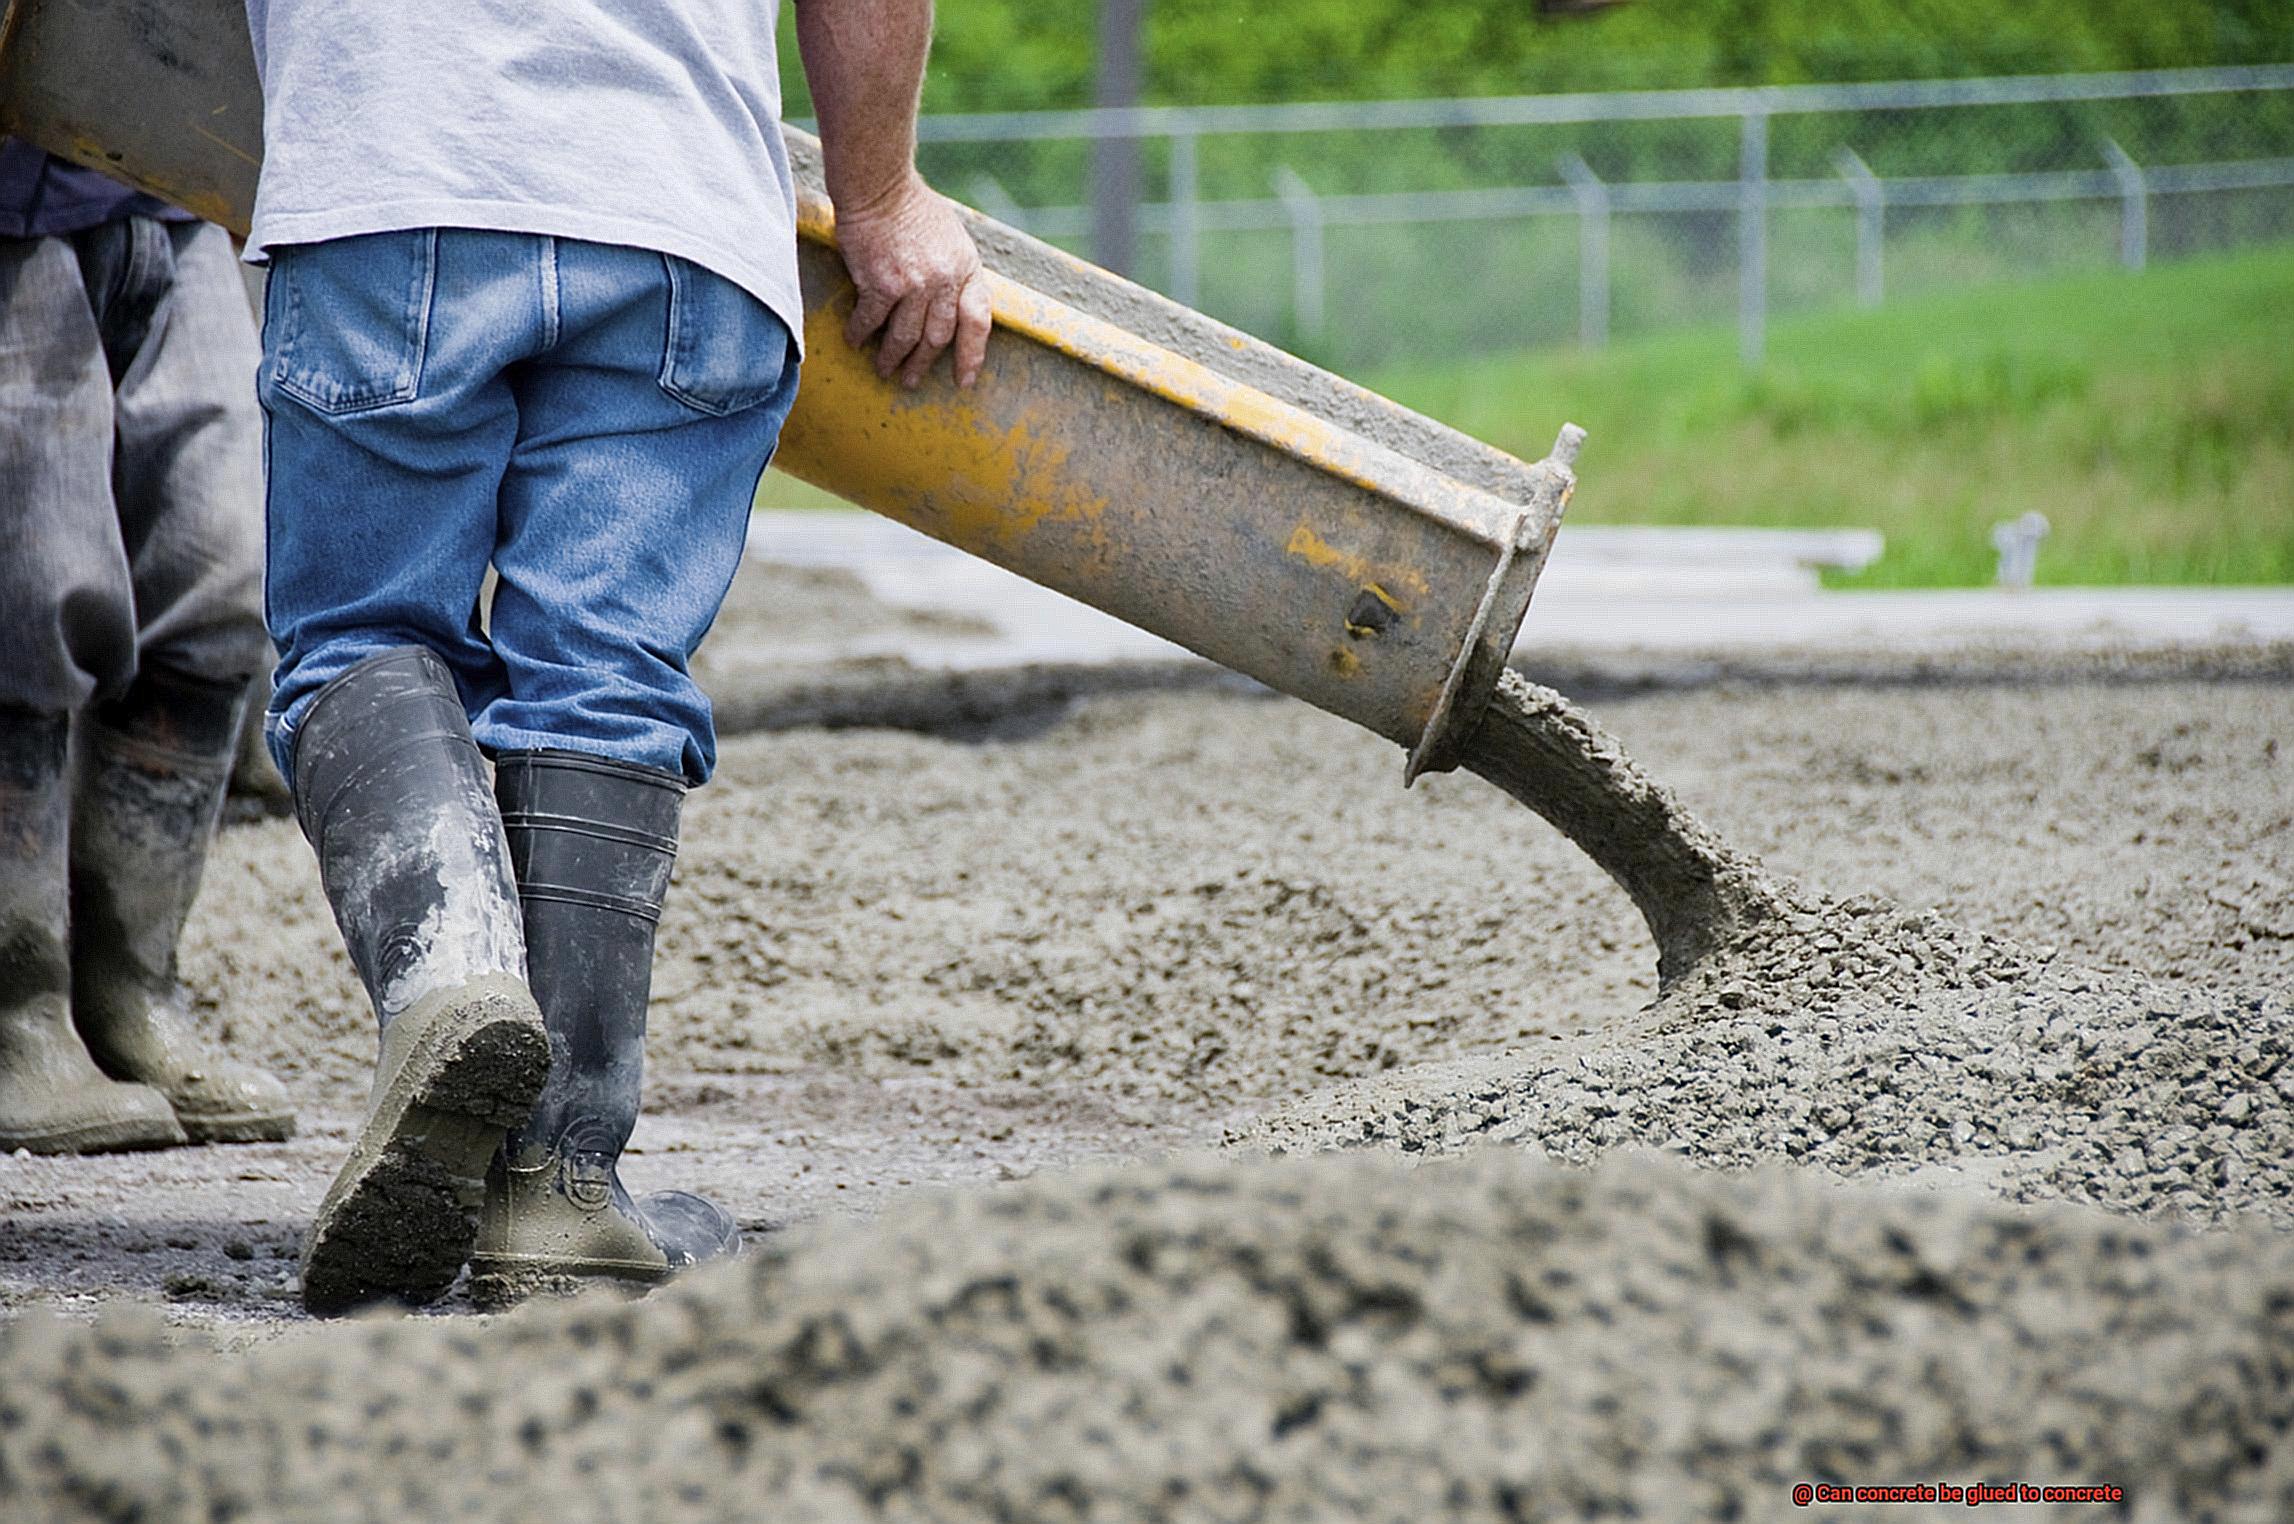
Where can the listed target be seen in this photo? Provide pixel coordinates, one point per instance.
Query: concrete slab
(1628, 588)
(1033, 625)
(1582, 614)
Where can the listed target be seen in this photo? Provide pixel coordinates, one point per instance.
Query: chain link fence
(1374, 233)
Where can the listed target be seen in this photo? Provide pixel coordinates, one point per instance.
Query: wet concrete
(1696, 892)
(1344, 1337)
(2027, 998)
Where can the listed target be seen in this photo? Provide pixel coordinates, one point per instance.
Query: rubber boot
(392, 793)
(153, 767)
(593, 842)
(53, 1098)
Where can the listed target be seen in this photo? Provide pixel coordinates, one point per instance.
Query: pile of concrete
(1864, 1195)
(1339, 1337)
(1861, 1038)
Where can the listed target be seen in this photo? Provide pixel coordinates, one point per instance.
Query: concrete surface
(1608, 588)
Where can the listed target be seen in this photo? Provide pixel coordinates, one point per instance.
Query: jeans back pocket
(346, 322)
(724, 349)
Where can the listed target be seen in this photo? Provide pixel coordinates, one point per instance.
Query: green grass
(779, 491)
(2150, 417)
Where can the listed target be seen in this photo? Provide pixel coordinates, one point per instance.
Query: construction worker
(130, 611)
(533, 304)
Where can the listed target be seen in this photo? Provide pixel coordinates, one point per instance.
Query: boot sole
(119, 1137)
(246, 1127)
(399, 1221)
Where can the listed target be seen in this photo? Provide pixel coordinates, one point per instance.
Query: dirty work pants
(590, 420)
(130, 465)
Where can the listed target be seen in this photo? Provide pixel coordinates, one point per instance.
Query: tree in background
(1007, 55)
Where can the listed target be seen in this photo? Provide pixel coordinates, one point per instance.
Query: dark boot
(392, 793)
(53, 1098)
(593, 842)
(153, 767)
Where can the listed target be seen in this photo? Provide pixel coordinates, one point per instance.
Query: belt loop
(549, 269)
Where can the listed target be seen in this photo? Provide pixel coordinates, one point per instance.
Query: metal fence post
(1752, 238)
(1592, 250)
(1871, 224)
(1186, 221)
(2135, 206)
(1115, 176)
(1306, 264)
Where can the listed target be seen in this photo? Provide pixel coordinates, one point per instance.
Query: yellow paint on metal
(1314, 550)
(935, 461)
(945, 429)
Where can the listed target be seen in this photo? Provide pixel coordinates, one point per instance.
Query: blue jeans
(589, 420)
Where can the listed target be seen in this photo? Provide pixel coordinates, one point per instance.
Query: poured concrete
(2018, 1036)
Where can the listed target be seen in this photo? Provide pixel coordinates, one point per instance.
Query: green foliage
(1502, 285)
(2150, 417)
(1004, 55)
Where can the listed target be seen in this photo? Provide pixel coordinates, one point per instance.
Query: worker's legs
(53, 1098)
(155, 758)
(84, 349)
(593, 420)
(189, 468)
(68, 626)
(391, 421)
(392, 794)
(623, 516)
(590, 419)
(626, 505)
(593, 842)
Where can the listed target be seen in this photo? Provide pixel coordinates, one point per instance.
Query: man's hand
(918, 274)
(916, 266)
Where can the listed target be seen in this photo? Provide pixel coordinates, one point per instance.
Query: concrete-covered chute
(1118, 448)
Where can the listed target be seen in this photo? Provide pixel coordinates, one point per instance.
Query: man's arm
(915, 265)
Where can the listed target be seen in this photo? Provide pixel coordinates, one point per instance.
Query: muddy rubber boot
(153, 767)
(392, 793)
(53, 1098)
(593, 842)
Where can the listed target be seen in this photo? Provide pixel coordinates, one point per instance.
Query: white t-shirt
(649, 123)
